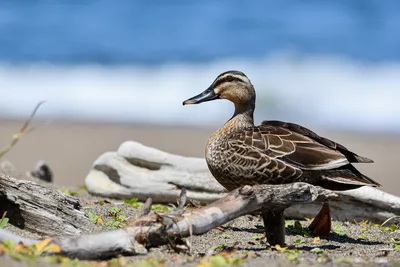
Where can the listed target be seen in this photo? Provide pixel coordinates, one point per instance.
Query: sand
(70, 149)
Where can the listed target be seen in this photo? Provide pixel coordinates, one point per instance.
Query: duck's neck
(242, 118)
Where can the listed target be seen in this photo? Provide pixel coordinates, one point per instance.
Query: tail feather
(356, 158)
(345, 178)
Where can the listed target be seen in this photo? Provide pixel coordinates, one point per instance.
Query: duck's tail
(345, 178)
(353, 157)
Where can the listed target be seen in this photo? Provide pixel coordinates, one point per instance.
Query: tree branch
(152, 230)
(136, 170)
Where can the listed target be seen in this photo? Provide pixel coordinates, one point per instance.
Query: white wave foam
(322, 91)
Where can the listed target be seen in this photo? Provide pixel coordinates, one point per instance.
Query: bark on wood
(41, 209)
(151, 230)
(139, 171)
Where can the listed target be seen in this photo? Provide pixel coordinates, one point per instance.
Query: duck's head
(231, 85)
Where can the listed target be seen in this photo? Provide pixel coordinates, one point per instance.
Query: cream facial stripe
(230, 77)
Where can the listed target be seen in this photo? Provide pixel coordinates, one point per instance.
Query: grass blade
(21, 132)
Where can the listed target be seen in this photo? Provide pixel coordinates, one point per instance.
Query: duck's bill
(207, 95)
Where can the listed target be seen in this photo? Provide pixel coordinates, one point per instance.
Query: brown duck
(274, 152)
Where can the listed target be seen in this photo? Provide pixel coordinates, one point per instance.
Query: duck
(274, 152)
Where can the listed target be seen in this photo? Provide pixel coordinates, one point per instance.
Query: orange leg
(321, 225)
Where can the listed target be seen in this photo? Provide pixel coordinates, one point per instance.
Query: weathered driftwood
(151, 230)
(139, 171)
(142, 172)
(41, 209)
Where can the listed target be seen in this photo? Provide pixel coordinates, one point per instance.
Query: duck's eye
(229, 78)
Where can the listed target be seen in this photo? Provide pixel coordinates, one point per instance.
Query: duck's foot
(322, 225)
(274, 223)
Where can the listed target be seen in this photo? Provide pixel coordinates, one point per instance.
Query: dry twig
(21, 132)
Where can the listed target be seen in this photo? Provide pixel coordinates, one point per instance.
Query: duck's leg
(274, 223)
(322, 225)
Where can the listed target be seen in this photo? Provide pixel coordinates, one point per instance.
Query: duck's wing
(351, 156)
(294, 153)
(290, 147)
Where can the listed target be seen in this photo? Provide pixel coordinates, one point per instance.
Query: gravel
(349, 244)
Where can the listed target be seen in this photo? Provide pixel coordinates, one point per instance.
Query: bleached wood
(154, 230)
(41, 209)
(136, 170)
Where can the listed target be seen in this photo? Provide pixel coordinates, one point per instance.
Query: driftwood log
(41, 209)
(136, 170)
(151, 230)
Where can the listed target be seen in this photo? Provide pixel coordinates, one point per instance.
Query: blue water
(321, 63)
(127, 31)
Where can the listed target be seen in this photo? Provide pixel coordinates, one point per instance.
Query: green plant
(390, 228)
(134, 202)
(317, 250)
(160, 208)
(297, 228)
(3, 220)
(101, 202)
(257, 237)
(339, 229)
(96, 219)
(83, 187)
(221, 247)
(396, 244)
(391, 218)
(33, 255)
(116, 217)
(293, 256)
(68, 192)
(221, 259)
(226, 236)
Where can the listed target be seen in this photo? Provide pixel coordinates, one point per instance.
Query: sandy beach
(70, 148)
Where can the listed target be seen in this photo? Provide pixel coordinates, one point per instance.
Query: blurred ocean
(326, 63)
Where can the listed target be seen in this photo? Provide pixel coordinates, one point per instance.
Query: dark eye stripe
(225, 79)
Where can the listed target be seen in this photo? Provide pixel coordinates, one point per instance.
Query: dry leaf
(279, 248)
(316, 240)
(41, 245)
(19, 247)
(54, 248)
(220, 229)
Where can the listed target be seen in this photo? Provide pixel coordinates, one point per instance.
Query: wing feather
(351, 156)
(289, 147)
(278, 152)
